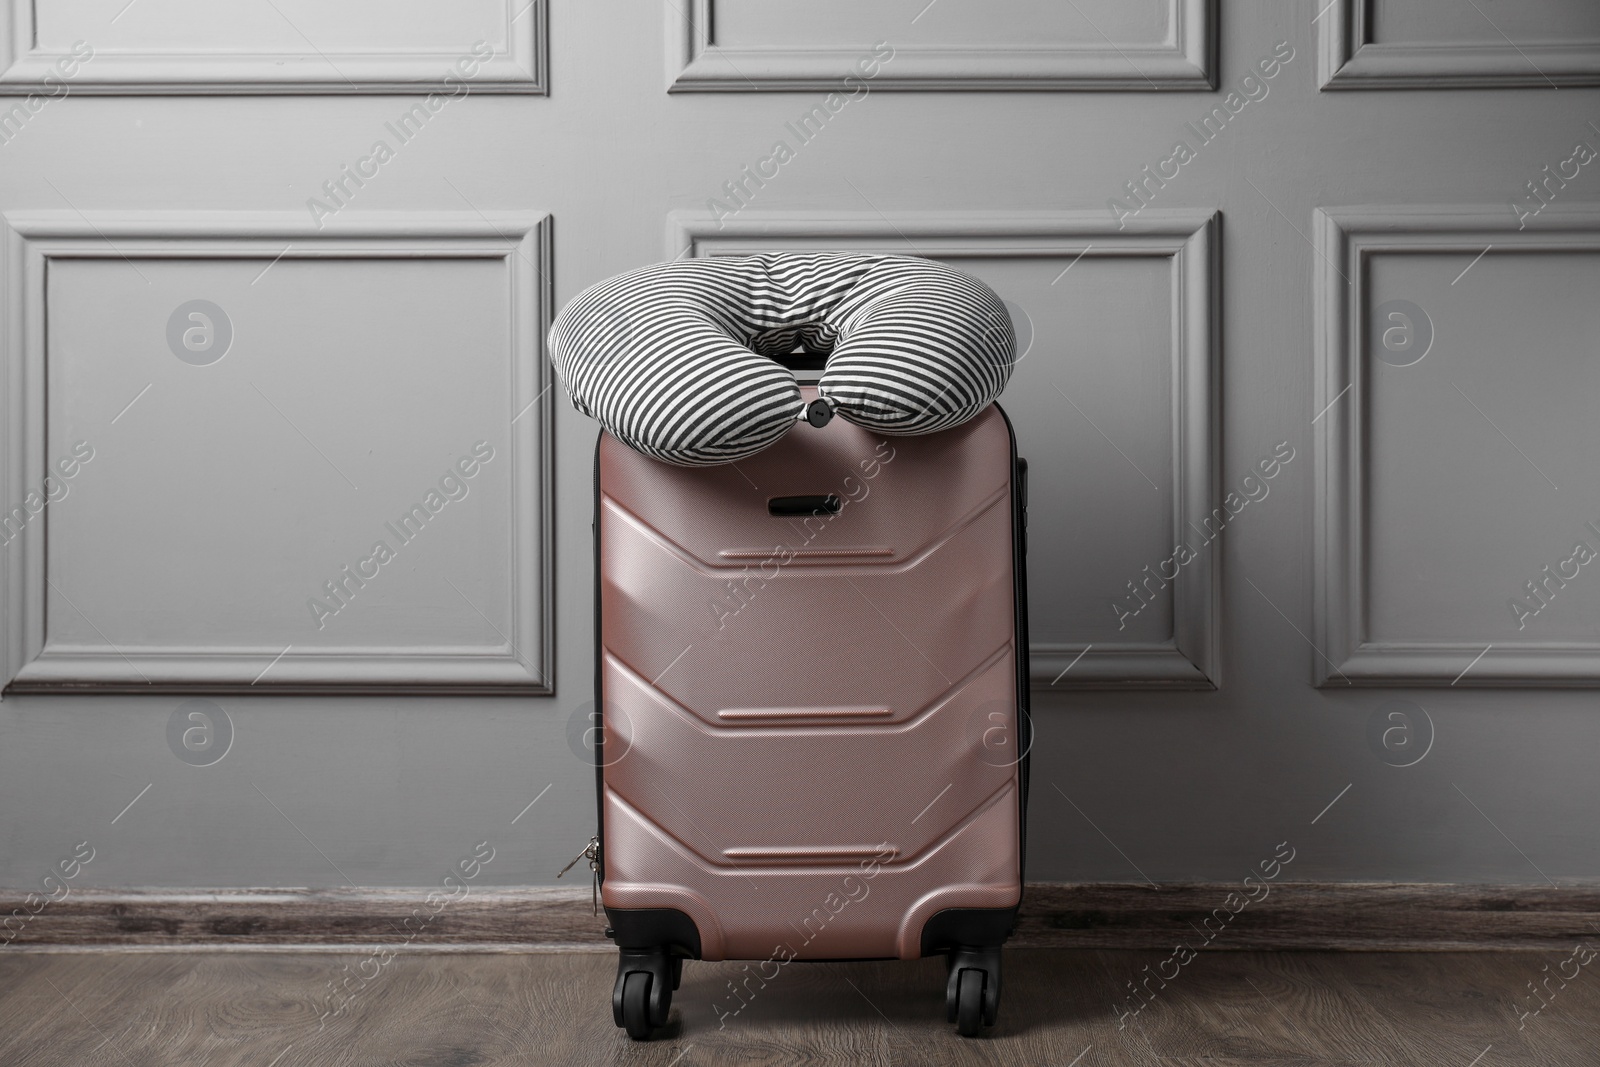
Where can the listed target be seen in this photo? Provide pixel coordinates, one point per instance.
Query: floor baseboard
(1289, 916)
(1378, 916)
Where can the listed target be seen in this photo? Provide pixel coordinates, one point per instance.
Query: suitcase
(812, 672)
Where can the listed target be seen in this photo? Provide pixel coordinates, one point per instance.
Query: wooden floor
(262, 1010)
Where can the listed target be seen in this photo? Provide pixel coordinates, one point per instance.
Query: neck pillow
(682, 361)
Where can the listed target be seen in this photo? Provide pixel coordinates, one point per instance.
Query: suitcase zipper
(591, 852)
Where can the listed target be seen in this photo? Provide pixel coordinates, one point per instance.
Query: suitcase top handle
(793, 506)
(685, 361)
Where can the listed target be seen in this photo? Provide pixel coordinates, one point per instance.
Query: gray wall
(1414, 509)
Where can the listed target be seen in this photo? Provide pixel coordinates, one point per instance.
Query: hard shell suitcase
(812, 679)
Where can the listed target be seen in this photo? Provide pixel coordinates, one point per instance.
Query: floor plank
(1061, 1008)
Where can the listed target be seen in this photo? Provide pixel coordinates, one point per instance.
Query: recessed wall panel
(1397, 44)
(1479, 471)
(285, 46)
(998, 24)
(279, 459)
(1524, 21)
(1118, 377)
(750, 45)
(1459, 534)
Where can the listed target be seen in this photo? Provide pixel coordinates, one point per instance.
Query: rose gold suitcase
(812, 674)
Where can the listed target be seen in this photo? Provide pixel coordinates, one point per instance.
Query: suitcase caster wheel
(636, 1005)
(972, 996)
(642, 997)
(969, 1003)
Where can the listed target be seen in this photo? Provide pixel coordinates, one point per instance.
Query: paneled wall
(1307, 398)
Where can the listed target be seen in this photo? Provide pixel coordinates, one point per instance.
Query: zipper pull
(594, 878)
(590, 852)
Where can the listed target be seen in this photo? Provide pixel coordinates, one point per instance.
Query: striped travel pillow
(681, 360)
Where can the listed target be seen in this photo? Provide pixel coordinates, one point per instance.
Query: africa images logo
(1252, 89)
(454, 485)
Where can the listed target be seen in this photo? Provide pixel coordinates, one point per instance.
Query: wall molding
(1354, 916)
(522, 68)
(1185, 61)
(522, 241)
(1348, 58)
(1190, 239)
(1345, 239)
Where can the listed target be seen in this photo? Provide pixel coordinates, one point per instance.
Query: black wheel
(952, 987)
(636, 1005)
(969, 1003)
(961, 964)
(660, 999)
(642, 996)
(677, 971)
